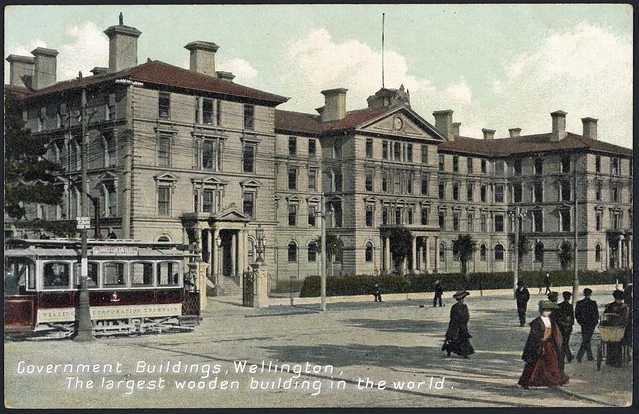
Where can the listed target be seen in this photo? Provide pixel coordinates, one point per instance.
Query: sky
(496, 66)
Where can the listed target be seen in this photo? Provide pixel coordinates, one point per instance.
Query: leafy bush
(288, 286)
(363, 284)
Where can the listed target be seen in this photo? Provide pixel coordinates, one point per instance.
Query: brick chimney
(514, 132)
(123, 47)
(456, 126)
(590, 127)
(202, 57)
(558, 125)
(444, 123)
(20, 70)
(488, 133)
(45, 67)
(334, 104)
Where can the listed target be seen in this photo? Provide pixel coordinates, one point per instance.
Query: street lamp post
(322, 215)
(84, 332)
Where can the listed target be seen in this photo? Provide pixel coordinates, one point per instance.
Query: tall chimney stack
(202, 57)
(123, 46)
(590, 127)
(45, 67)
(488, 133)
(456, 126)
(334, 104)
(514, 132)
(558, 125)
(20, 70)
(444, 123)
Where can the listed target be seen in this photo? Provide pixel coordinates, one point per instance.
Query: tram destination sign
(115, 250)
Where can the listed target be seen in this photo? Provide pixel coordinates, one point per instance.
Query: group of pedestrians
(547, 347)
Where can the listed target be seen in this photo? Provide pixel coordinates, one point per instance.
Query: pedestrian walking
(541, 351)
(558, 318)
(439, 291)
(377, 292)
(457, 336)
(547, 283)
(522, 296)
(615, 314)
(587, 316)
(566, 323)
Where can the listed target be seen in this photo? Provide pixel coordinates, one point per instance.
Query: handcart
(612, 331)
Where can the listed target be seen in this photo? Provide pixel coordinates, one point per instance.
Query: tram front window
(56, 275)
(168, 274)
(18, 272)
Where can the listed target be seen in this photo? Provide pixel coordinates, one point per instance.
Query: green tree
(401, 241)
(464, 247)
(334, 246)
(565, 255)
(29, 178)
(524, 245)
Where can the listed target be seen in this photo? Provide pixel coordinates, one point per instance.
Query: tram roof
(95, 248)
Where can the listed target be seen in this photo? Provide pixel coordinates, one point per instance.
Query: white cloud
(244, 72)
(88, 48)
(316, 62)
(585, 71)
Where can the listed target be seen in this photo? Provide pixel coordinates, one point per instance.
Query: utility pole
(323, 256)
(575, 282)
(83, 313)
(516, 272)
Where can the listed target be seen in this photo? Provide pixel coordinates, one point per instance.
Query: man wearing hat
(617, 313)
(439, 291)
(541, 352)
(522, 296)
(457, 335)
(587, 316)
(566, 323)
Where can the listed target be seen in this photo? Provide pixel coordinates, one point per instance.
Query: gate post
(260, 288)
(201, 282)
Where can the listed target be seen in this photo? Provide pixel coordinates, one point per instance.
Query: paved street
(354, 355)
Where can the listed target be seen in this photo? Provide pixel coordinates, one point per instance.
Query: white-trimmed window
(248, 203)
(249, 117)
(114, 274)
(141, 274)
(248, 157)
(164, 105)
(311, 255)
(168, 274)
(499, 253)
(292, 252)
(369, 252)
(164, 150)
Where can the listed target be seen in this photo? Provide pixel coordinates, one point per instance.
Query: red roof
(162, 74)
(526, 144)
(288, 121)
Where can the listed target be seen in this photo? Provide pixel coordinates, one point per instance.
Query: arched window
(312, 251)
(292, 252)
(164, 239)
(482, 252)
(442, 252)
(499, 253)
(539, 252)
(598, 253)
(369, 252)
(251, 251)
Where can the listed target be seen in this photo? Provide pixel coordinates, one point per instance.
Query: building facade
(193, 157)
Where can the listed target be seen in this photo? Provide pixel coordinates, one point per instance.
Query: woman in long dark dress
(544, 343)
(457, 335)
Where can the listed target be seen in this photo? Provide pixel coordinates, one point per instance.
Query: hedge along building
(174, 154)
(192, 156)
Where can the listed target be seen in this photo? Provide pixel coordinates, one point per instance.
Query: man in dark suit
(568, 320)
(587, 315)
(522, 296)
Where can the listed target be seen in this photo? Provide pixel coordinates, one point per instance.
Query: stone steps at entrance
(229, 286)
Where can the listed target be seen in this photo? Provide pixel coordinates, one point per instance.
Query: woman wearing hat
(617, 314)
(540, 352)
(457, 335)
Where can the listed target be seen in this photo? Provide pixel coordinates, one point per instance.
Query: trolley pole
(83, 313)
